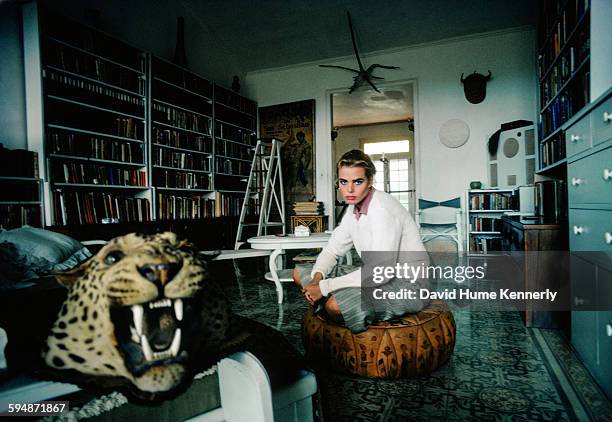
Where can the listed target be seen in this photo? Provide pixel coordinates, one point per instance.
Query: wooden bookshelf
(563, 73)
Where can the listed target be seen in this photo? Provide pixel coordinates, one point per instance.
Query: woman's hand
(312, 292)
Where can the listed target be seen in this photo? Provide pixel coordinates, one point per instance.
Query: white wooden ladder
(264, 191)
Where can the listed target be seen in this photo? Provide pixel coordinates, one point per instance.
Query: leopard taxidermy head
(140, 309)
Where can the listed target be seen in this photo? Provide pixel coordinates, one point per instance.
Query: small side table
(316, 223)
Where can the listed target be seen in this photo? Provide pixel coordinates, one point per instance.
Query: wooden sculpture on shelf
(363, 75)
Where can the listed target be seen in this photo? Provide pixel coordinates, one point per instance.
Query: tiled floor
(497, 371)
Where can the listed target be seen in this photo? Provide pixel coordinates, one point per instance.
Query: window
(395, 178)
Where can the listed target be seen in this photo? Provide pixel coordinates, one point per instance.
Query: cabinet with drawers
(589, 174)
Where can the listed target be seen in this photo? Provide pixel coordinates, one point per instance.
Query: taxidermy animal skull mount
(363, 75)
(475, 87)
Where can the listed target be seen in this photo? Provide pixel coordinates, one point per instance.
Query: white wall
(12, 101)
(601, 47)
(436, 68)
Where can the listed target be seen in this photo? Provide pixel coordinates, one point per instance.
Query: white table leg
(274, 272)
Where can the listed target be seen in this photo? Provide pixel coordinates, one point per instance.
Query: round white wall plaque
(454, 133)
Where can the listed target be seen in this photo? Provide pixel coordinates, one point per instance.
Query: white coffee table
(278, 244)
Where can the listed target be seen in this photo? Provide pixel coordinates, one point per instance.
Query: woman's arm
(339, 245)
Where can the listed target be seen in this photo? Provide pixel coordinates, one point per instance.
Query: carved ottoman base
(416, 344)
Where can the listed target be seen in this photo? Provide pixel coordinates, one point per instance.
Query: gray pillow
(29, 252)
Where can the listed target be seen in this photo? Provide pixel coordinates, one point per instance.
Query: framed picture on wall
(293, 125)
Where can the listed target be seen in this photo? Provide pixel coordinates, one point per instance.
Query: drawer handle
(578, 230)
(608, 237)
(578, 301)
(609, 330)
(574, 138)
(607, 117)
(607, 174)
(576, 181)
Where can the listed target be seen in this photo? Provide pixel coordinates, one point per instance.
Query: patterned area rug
(497, 371)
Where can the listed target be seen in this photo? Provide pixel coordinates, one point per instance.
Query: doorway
(381, 124)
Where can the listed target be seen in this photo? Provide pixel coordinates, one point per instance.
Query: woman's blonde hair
(357, 158)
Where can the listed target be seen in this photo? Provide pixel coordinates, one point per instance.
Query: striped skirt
(359, 311)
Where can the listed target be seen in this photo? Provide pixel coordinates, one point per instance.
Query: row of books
(234, 134)
(128, 128)
(552, 150)
(75, 116)
(559, 19)
(84, 145)
(94, 41)
(485, 244)
(178, 139)
(485, 224)
(67, 58)
(227, 205)
(565, 105)
(100, 175)
(231, 149)
(181, 180)
(165, 93)
(562, 73)
(181, 160)
(62, 85)
(241, 119)
(13, 216)
(230, 99)
(182, 78)
(179, 118)
(230, 167)
(78, 207)
(18, 162)
(308, 208)
(490, 201)
(170, 207)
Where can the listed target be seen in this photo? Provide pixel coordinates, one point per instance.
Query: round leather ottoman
(416, 344)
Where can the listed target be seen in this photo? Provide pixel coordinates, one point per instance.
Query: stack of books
(308, 208)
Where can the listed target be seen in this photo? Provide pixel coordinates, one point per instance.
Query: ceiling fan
(363, 75)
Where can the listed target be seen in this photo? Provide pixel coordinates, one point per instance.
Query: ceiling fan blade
(353, 39)
(372, 84)
(339, 67)
(383, 66)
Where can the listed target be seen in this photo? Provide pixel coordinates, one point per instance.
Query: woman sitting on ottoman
(374, 221)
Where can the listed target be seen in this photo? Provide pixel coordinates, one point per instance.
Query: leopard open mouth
(155, 333)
